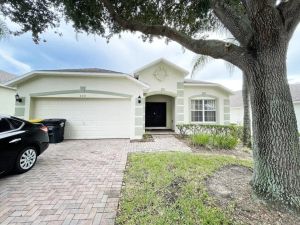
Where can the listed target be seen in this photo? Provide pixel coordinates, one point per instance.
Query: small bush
(192, 129)
(224, 142)
(200, 139)
(214, 141)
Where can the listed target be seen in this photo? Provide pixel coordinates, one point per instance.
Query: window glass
(197, 105)
(203, 110)
(210, 116)
(209, 105)
(197, 116)
(4, 125)
(15, 123)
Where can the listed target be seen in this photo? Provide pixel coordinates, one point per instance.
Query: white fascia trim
(146, 86)
(184, 71)
(210, 85)
(6, 87)
(74, 74)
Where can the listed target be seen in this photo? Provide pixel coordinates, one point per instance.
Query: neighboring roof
(74, 72)
(6, 87)
(236, 100)
(191, 82)
(162, 60)
(85, 70)
(295, 91)
(5, 77)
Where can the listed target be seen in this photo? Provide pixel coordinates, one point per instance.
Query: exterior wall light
(18, 99)
(139, 99)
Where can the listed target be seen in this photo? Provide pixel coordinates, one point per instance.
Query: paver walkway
(74, 182)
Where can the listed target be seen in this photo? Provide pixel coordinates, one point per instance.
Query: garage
(87, 118)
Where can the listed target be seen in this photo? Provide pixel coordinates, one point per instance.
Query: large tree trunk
(276, 150)
(247, 122)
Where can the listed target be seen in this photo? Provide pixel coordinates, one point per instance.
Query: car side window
(15, 123)
(4, 125)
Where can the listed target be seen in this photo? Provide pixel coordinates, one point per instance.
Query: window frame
(203, 110)
(11, 126)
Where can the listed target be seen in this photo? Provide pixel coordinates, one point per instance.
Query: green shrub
(192, 129)
(224, 141)
(214, 141)
(200, 139)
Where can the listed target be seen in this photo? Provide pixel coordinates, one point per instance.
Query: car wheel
(26, 159)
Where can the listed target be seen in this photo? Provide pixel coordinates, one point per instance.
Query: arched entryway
(160, 112)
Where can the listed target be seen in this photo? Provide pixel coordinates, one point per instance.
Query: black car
(21, 142)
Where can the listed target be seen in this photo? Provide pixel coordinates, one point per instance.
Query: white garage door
(87, 118)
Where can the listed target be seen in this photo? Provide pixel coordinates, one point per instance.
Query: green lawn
(168, 188)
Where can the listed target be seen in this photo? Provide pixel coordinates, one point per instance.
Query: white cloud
(294, 79)
(14, 62)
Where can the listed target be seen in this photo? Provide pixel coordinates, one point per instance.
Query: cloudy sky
(19, 55)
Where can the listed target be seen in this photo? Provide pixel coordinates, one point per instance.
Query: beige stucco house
(106, 104)
(7, 100)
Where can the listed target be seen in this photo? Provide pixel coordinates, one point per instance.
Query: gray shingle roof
(83, 70)
(236, 100)
(295, 91)
(5, 77)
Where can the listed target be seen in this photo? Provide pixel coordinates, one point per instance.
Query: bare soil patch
(173, 191)
(231, 189)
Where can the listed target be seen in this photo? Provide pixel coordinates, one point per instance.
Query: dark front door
(156, 114)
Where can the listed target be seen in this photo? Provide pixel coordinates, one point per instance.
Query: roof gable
(84, 70)
(162, 61)
(76, 73)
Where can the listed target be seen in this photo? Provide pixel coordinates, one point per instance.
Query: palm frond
(4, 31)
(200, 61)
(229, 67)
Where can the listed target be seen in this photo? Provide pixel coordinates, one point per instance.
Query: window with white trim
(203, 110)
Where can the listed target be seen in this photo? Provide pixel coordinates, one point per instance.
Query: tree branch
(238, 25)
(214, 48)
(290, 12)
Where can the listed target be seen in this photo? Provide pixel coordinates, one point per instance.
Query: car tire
(26, 159)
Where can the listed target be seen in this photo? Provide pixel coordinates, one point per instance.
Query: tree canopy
(183, 20)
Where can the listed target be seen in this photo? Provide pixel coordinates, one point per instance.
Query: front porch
(159, 113)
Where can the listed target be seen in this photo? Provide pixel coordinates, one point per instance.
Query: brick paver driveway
(74, 182)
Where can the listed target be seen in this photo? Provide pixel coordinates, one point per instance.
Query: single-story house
(237, 108)
(7, 100)
(101, 103)
(7, 94)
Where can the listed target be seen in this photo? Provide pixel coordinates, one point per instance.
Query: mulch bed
(231, 189)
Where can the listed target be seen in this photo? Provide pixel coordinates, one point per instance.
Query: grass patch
(169, 188)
